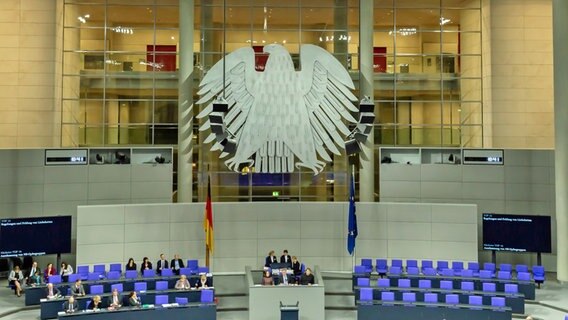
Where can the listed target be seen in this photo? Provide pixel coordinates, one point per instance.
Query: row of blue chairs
(488, 287)
(129, 274)
(191, 264)
(366, 295)
(457, 268)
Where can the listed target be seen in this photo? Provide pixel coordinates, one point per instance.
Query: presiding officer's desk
(191, 311)
(420, 311)
(264, 301)
(515, 301)
(50, 307)
(33, 295)
(527, 288)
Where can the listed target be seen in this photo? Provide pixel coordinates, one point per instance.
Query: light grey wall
(28, 188)
(246, 232)
(523, 185)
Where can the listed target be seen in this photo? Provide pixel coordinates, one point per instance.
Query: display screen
(35, 236)
(516, 233)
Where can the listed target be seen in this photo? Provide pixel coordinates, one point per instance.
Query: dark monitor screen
(35, 236)
(516, 233)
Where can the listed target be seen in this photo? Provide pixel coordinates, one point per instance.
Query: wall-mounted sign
(60, 157)
(483, 156)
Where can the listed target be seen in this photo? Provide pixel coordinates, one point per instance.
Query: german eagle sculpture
(279, 119)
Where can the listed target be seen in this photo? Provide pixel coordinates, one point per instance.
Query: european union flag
(352, 219)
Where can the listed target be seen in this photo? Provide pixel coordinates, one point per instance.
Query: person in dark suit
(131, 265)
(133, 300)
(296, 267)
(284, 278)
(176, 264)
(70, 305)
(114, 301)
(285, 258)
(51, 291)
(202, 282)
(270, 259)
(307, 279)
(96, 303)
(77, 289)
(146, 265)
(32, 276)
(162, 264)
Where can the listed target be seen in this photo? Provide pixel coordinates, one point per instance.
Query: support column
(340, 51)
(559, 27)
(185, 102)
(366, 88)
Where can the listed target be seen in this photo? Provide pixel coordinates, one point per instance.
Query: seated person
(202, 282)
(267, 279)
(307, 279)
(130, 265)
(161, 264)
(133, 299)
(33, 277)
(65, 271)
(70, 305)
(96, 303)
(77, 289)
(15, 279)
(114, 301)
(183, 283)
(176, 264)
(49, 271)
(284, 278)
(52, 292)
(270, 259)
(296, 268)
(146, 265)
(285, 257)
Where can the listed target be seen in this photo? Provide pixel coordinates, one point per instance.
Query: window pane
(77, 15)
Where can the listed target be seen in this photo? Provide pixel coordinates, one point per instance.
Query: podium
(289, 312)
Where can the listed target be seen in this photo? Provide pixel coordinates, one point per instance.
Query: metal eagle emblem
(282, 119)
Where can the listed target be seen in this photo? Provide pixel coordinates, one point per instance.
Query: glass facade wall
(119, 74)
(427, 63)
(120, 82)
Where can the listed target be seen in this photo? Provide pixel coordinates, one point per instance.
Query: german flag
(208, 220)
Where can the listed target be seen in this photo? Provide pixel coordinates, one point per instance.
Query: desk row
(50, 307)
(201, 312)
(527, 288)
(514, 301)
(35, 293)
(421, 311)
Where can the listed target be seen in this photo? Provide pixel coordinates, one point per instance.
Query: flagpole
(206, 255)
(355, 248)
(208, 195)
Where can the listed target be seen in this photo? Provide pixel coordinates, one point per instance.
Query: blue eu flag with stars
(352, 219)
